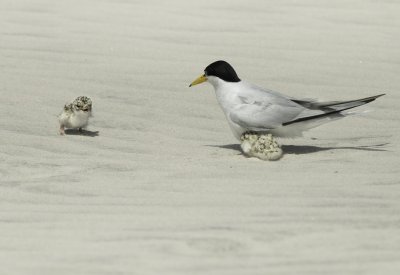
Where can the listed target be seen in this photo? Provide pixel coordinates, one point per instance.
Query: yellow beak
(199, 80)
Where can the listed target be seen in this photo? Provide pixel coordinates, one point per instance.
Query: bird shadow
(76, 132)
(309, 149)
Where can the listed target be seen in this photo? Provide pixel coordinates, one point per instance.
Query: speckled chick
(75, 114)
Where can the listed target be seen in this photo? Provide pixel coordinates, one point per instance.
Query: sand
(158, 184)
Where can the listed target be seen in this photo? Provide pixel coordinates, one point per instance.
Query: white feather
(251, 108)
(74, 119)
(76, 114)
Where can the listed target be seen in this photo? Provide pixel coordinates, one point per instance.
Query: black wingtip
(371, 98)
(363, 101)
(376, 96)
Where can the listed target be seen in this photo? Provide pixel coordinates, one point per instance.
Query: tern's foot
(262, 146)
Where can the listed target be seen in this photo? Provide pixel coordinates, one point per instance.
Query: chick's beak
(199, 80)
(87, 108)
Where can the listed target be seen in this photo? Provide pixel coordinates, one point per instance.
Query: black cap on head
(223, 70)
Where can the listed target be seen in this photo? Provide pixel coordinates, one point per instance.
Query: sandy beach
(158, 184)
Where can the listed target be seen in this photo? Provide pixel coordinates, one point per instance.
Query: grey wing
(258, 116)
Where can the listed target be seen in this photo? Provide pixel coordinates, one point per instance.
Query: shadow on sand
(309, 149)
(76, 132)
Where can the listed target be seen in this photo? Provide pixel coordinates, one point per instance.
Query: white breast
(76, 119)
(228, 99)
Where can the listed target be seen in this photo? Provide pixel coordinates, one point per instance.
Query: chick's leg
(62, 130)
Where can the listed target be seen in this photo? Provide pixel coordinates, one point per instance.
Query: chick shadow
(309, 149)
(76, 132)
